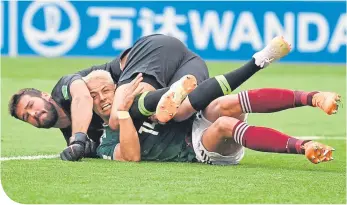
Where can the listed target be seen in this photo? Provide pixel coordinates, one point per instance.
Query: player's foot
(327, 101)
(276, 49)
(172, 99)
(317, 152)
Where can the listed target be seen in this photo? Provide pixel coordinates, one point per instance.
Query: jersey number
(148, 128)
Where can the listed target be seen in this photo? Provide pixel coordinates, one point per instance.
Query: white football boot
(276, 49)
(172, 99)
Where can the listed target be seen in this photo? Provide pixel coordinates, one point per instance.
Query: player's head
(34, 107)
(101, 88)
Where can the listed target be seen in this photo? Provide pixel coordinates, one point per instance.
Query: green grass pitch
(260, 178)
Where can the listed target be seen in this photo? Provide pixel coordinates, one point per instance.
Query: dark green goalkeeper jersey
(169, 142)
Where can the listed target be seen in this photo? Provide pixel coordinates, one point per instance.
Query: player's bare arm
(129, 146)
(81, 115)
(81, 107)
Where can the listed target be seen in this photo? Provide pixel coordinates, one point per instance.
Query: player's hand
(90, 149)
(79, 146)
(73, 152)
(128, 95)
(317, 152)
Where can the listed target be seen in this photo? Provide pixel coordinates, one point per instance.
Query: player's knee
(225, 125)
(229, 106)
(243, 117)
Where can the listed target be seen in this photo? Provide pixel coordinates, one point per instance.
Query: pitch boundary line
(29, 157)
(57, 155)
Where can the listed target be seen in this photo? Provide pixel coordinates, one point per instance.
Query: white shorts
(200, 125)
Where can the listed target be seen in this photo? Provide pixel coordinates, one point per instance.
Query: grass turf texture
(260, 178)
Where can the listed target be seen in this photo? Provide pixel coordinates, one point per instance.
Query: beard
(52, 116)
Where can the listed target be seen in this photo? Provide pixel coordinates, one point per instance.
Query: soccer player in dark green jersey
(146, 141)
(216, 139)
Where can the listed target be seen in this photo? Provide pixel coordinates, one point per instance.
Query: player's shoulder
(68, 79)
(62, 87)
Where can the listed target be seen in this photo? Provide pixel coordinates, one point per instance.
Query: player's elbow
(133, 158)
(132, 155)
(136, 158)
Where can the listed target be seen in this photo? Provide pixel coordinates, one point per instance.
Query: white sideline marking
(29, 157)
(56, 156)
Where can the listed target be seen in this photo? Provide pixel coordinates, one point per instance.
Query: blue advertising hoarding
(214, 30)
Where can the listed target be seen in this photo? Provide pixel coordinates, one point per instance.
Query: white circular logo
(63, 40)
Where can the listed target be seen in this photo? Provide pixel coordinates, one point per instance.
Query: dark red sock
(268, 100)
(266, 139)
(303, 98)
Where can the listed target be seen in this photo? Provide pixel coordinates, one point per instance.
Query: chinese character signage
(214, 30)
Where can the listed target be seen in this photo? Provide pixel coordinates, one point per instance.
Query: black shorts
(163, 60)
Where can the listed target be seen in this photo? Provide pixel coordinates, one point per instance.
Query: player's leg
(193, 68)
(269, 100)
(224, 84)
(227, 130)
(196, 67)
(206, 92)
(264, 100)
(144, 105)
(219, 150)
(228, 105)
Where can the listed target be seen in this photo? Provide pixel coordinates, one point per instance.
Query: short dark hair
(12, 105)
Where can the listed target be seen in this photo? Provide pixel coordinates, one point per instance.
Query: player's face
(37, 111)
(102, 93)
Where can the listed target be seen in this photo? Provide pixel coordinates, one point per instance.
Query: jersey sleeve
(106, 150)
(72, 79)
(108, 145)
(61, 91)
